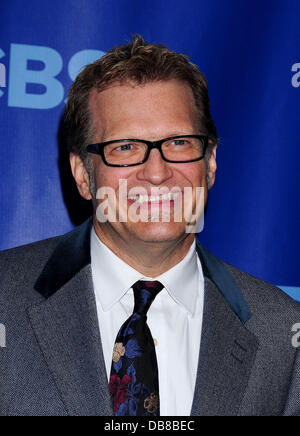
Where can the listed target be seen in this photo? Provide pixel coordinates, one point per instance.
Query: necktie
(134, 373)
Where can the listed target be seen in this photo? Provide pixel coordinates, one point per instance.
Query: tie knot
(144, 295)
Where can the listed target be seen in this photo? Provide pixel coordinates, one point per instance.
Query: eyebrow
(170, 135)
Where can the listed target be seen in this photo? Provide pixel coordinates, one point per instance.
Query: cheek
(105, 176)
(110, 177)
(194, 173)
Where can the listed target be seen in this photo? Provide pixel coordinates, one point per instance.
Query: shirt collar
(113, 277)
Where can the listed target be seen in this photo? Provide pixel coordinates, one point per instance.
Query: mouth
(167, 198)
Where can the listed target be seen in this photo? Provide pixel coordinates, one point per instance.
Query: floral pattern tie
(134, 373)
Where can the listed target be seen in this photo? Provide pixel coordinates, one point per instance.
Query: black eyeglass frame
(99, 149)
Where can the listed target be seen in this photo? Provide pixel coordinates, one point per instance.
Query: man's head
(146, 92)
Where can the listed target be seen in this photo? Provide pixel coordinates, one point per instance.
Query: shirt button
(155, 342)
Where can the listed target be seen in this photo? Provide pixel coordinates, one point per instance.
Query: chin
(158, 232)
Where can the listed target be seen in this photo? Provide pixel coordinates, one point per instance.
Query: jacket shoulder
(21, 266)
(255, 289)
(29, 254)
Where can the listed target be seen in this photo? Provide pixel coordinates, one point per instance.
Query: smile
(171, 196)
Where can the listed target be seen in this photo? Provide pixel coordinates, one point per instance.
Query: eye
(124, 147)
(179, 142)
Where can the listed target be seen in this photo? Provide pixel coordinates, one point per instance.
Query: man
(127, 316)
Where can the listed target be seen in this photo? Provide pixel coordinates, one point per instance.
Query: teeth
(171, 196)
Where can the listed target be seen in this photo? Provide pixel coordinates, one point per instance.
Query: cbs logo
(32, 81)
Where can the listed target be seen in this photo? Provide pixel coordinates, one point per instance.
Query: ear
(212, 167)
(81, 176)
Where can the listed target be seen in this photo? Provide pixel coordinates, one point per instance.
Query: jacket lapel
(227, 355)
(67, 330)
(228, 349)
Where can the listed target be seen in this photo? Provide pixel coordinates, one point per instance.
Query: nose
(155, 170)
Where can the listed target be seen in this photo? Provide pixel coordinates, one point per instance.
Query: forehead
(149, 109)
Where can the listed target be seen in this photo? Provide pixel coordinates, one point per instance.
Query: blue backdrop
(248, 50)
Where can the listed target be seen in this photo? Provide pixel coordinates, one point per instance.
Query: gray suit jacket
(53, 361)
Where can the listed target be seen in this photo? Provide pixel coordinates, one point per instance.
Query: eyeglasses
(132, 152)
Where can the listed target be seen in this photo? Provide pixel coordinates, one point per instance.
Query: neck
(148, 258)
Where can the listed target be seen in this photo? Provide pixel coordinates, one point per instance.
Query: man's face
(151, 112)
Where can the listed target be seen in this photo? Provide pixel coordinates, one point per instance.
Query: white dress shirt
(174, 318)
